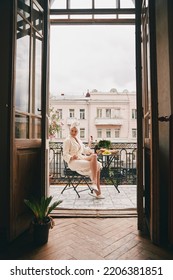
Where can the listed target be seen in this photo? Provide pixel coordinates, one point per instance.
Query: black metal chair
(74, 179)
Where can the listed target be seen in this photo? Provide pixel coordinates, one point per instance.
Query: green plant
(104, 144)
(54, 122)
(42, 209)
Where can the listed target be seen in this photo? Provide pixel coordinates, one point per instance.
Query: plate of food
(106, 153)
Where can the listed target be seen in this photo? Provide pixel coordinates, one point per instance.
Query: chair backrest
(65, 164)
(68, 171)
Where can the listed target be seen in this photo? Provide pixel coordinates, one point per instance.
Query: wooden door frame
(8, 143)
(154, 227)
(6, 112)
(140, 166)
(155, 189)
(45, 100)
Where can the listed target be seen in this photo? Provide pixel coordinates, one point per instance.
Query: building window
(82, 114)
(134, 114)
(108, 133)
(99, 133)
(108, 113)
(99, 113)
(117, 113)
(71, 113)
(82, 133)
(59, 113)
(134, 133)
(117, 133)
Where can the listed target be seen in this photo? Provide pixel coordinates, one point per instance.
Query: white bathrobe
(70, 148)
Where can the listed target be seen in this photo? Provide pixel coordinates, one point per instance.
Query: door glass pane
(22, 66)
(23, 7)
(21, 127)
(105, 4)
(37, 42)
(36, 128)
(127, 4)
(84, 4)
(37, 18)
(60, 4)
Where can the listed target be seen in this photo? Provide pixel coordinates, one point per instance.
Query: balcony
(108, 121)
(122, 168)
(71, 120)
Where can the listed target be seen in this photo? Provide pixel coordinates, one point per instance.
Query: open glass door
(29, 115)
(147, 119)
(146, 105)
(140, 155)
(143, 105)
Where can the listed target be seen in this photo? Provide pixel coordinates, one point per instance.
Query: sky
(92, 57)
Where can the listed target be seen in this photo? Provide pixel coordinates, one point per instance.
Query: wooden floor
(89, 239)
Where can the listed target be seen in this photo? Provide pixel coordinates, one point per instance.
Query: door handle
(164, 118)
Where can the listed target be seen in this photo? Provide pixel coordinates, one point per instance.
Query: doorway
(73, 27)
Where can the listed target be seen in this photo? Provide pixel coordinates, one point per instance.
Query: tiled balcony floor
(113, 200)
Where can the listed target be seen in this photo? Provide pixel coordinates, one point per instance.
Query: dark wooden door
(28, 168)
(170, 213)
(148, 132)
(140, 156)
(146, 107)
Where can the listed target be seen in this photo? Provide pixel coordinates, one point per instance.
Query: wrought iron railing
(122, 167)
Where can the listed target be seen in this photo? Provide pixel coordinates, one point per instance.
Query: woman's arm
(86, 150)
(66, 150)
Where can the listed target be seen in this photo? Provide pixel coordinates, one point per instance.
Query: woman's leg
(94, 167)
(98, 182)
(95, 171)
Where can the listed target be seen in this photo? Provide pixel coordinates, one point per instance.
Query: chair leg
(77, 180)
(67, 185)
(74, 187)
(70, 184)
(82, 179)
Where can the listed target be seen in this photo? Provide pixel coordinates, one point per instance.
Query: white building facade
(102, 115)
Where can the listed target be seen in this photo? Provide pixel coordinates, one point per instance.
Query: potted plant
(104, 144)
(42, 220)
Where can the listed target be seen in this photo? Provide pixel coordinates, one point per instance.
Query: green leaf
(41, 209)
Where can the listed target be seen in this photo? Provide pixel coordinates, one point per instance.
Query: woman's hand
(74, 157)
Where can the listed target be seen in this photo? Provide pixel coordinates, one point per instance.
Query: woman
(82, 159)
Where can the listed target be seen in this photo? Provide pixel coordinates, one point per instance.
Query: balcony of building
(69, 120)
(108, 121)
(118, 183)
